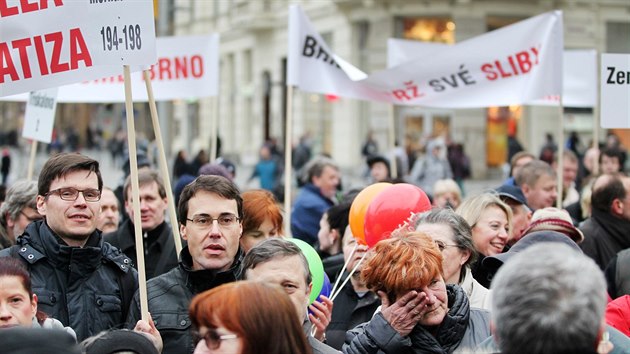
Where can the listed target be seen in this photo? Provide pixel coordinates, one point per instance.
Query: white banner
(512, 65)
(615, 91)
(39, 117)
(187, 67)
(580, 70)
(51, 43)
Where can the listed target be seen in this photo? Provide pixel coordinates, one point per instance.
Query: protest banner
(579, 87)
(512, 65)
(187, 67)
(615, 90)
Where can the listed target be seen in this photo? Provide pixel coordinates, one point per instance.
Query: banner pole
(31, 161)
(596, 119)
(560, 156)
(392, 141)
(163, 163)
(135, 195)
(288, 168)
(214, 124)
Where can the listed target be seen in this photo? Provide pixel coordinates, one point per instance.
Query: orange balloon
(359, 208)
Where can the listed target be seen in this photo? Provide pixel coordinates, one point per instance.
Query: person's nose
(215, 229)
(80, 199)
(5, 314)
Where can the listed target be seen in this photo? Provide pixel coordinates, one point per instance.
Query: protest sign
(187, 67)
(53, 42)
(615, 90)
(39, 117)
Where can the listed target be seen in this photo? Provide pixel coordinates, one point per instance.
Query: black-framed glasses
(442, 245)
(206, 221)
(212, 338)
(71, 194)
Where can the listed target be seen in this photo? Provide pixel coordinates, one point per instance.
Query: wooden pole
(135, 196)
(214, 125)
(560, 162)
(392, 141)
(288, 168)
(163, 163)
(31, 161)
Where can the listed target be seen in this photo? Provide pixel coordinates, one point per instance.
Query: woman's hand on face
(320, 317)
(405, 313)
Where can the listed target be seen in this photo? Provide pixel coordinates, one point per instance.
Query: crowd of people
(498, 271)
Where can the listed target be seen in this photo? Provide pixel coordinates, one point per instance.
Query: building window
(440, 30)
(618, 37)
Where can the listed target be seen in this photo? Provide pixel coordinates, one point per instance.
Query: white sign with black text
(39, 118)
(615, 91)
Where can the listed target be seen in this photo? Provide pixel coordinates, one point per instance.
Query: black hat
(511, 192)
(119, 341)
(27, 340)
(496, 261)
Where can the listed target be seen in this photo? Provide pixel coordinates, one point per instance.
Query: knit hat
(496, 261)
(120, 341)
(213, 169)
(554, 219)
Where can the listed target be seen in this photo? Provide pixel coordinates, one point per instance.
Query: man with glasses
(17, 211)
(79, 279)
(210, 211)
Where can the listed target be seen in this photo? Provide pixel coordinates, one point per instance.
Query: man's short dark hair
(338, 217)
(214, 184)
(145, 177)
(274, 248)
(605, 192)
(61, 165)
(315, 167)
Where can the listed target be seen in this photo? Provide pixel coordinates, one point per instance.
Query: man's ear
(617, 207)
(41, 205)
(182, 232)
(9, 220)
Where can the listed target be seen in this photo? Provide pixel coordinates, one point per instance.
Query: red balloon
(391, 208)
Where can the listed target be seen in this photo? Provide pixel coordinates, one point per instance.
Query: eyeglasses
(32, 218)
(71, 194)
(442, 246)
(206, 221)
(213, 339)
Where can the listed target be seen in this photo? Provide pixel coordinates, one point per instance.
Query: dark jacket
(604, 236)
(169, 296)
(81, 287)
(308, 209)
(462, 329)
(159, 247)
(349, 311)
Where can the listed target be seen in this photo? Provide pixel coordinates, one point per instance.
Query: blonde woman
(490, 220)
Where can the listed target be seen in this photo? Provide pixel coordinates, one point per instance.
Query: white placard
(39, 117)
(121, 32)
(187, 68)
(615, 91)
(50, 43)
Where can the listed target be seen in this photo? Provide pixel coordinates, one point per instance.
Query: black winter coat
(81, 287)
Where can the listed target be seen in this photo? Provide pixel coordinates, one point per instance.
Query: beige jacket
(478, 296)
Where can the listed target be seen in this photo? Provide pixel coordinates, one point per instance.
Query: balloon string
(345, 265)
(349, 276)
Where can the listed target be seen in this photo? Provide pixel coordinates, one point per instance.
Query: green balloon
(314, 264)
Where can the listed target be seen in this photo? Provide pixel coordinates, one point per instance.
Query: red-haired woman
(247, 317)
(262, 218)
(420, 313)
(18, 304)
